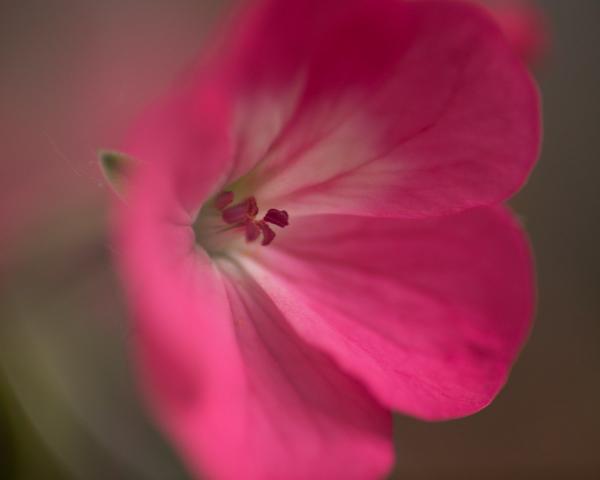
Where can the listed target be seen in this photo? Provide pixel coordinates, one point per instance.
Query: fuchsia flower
(313, 235)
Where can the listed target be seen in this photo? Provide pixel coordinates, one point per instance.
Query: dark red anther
(242, 215)
(252, 207)
(241, 212)
(277, 217)
(268, 233)
(252, 231)
(223, 199)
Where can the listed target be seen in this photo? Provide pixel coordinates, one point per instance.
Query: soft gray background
(73, 75)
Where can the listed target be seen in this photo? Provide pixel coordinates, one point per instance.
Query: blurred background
(74, 74)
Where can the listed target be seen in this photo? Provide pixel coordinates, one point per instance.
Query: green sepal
(115, 167)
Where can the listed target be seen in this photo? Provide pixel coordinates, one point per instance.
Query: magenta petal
(384, 108)
(186, 138)
(307, 419)
(430, 314)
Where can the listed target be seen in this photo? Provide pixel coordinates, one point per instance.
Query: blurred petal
(380, 108)
(188, 142)
(307, 419)
(524, 25)
(429, 313)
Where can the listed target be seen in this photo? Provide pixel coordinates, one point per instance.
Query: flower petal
(238, 391)
(185, 137)
(386, 108)
(429, 313)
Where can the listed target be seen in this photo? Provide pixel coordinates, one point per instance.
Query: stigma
(243, 215)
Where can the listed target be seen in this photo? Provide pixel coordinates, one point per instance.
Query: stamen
(241, 212)
(252, 207)
(252, 231)
(268, 233)
(243, 216)
(277, 217)
(223, 199)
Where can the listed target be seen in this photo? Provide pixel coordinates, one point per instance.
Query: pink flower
(313, 236)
